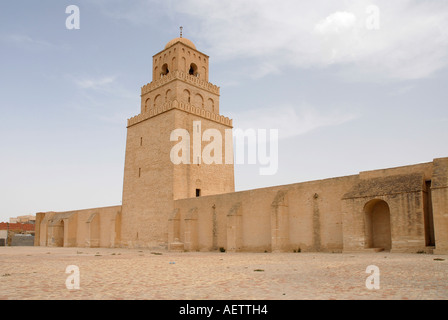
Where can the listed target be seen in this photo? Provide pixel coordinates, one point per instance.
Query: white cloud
(26, 41)
(136, 12)
(104, 97)
(100, 83)
(411, 43)
(402, 90)
(103, 85)
(289, 120)
(264, 69)
(336, 23)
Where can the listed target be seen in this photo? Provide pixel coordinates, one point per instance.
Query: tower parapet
(180, 106)
(179, 75)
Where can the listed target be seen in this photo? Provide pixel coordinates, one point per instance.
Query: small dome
(183, 40)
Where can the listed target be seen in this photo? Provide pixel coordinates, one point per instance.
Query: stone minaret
(179, 97)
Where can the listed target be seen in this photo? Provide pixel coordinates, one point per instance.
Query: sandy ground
(131, 274)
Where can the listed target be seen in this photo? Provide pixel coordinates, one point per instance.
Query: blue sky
(345, 98)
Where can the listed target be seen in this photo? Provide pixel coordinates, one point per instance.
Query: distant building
(19, 234)
(23, 219)
(3, 237)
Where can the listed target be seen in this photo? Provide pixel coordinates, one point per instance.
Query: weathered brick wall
(17, 226)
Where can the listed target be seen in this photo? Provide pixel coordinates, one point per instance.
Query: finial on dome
(181, 28)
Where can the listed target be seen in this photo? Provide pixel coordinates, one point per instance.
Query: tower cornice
(179, 75)
(185, 107)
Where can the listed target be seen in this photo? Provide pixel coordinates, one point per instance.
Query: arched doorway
(377, 223)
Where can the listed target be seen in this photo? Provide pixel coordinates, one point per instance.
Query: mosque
(192, 205)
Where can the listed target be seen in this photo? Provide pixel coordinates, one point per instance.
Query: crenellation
(179, 75)
(180, 106)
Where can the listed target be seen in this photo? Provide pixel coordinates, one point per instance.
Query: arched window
(193, 70)
(158, 101)
(147, 104)
(184, 64)
(173, 64)
(211, 105)
(168, 95)
(186, 96)
(198, 101)
(165, 70)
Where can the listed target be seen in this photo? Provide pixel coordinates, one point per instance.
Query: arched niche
(377, 225)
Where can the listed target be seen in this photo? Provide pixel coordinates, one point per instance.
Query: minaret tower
(179, 97)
